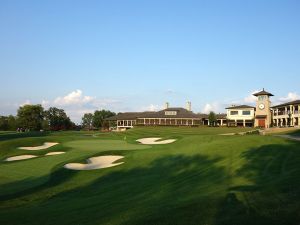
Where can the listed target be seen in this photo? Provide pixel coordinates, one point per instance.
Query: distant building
(262, 115)
(167, 117)
(242, 115)
(287, 114)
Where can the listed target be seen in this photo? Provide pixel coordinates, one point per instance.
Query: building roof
(127, 116)
(221, 116)
(263, 92)
(241, 107)
(180, 113)
(296, 102)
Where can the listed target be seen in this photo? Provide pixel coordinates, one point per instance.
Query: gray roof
(181, 113)
(263, 92)
(241, 107)
(296, 102)
(129, 116)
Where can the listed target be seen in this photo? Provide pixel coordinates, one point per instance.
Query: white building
(242, 115)
(287, 114)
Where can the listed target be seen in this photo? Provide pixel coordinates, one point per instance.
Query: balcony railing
(286, 113)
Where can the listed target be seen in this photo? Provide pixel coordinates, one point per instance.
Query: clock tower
(263, 115)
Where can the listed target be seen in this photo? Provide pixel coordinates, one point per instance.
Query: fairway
(201, 178)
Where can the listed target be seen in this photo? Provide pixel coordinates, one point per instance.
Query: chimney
(166, 105)
(189, 106)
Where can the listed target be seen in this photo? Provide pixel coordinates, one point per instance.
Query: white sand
(228, 134)
(42, 147)
(20, 157)
(54, 153)
(155, 141)
(94, 163)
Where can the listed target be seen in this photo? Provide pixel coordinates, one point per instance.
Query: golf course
(202, 177)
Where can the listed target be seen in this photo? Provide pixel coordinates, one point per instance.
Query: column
(291, 113)
(285, 110)
(244, 123)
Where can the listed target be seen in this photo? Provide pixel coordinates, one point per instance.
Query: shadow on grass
(31, 186)
(295, 133)
(274, 196)
(178, 190)
(10, 136)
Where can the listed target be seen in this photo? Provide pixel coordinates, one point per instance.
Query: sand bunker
(42, 147)
(20, 157)
(54, 153)
(94, 163)
(155, 141)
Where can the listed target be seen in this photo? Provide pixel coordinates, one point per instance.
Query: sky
(126, 55)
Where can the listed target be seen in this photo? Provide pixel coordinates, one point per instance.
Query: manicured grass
(202, 178)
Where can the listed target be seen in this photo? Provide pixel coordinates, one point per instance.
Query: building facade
(167, 117)
(287, 114)
(242, 115)
(262, 115)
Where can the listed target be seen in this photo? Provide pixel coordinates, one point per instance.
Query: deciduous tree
(30, 117)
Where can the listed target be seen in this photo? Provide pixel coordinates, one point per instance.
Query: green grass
(202, 178)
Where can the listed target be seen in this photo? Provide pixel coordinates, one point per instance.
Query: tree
(87, 121)
(30, 117)
(12, 122)
(3, 123)
(57, 119)
(212, 118)
(100, 116)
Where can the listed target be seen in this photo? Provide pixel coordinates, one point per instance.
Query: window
(233, 113)
(261, 98)
(170, 113)
(246, 113)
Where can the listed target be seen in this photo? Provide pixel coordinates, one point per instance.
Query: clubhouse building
(263, 115)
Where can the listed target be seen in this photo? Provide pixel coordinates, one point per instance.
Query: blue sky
(136, 55)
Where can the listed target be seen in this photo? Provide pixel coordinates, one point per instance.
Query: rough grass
(202, 178)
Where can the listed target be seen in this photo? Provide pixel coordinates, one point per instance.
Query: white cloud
(215, 107)
(76, 104)
(151, 108)
(74, 97)
(170, 92)
(251, 98)
(27, 102)
(292, 96)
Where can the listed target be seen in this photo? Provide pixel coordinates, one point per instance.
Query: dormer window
(170, 113)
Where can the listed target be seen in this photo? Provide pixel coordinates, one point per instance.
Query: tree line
(96, 120)
(35, 118)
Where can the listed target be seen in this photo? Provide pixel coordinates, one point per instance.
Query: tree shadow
(34, 185)
(273, 195)
(175, 190)
(170, 190)
(10, 136)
